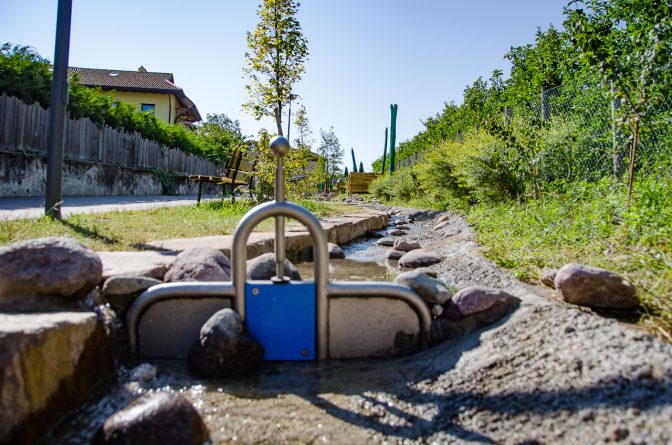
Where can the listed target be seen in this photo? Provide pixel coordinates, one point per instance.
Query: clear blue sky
(364, 54)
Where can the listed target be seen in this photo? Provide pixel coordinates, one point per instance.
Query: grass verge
(128, 230)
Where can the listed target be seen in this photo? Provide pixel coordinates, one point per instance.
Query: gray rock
(432, 273)
(224, 349)
(387, 242)
(442, 218)
(406, 245)
(396, 232)
(155, 419)
(419, 258)
(437, 310)
(263, 268)
(373, 234)
(429, 289)
(477, 305)
(143, 373)
(443, 329)
(547, 277)
(56, 266)
(440, 225)
(595, 287)
(393, 255)
(335, 252)
(402, 227)
(120, 291)
(50, 363)
(199, 264)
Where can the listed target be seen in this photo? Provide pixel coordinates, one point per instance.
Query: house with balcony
(150, 92)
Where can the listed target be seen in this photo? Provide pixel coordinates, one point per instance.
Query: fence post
(615, 135)
(393, 136)
(545, 110)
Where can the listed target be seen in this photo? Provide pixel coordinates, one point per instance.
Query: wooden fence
(24, 129)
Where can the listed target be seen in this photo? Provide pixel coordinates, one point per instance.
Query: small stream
(282, 402)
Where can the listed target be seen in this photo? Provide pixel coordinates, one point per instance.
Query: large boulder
(406, 245)
(263, 268)
(431, 290)
(120, 291)
(49, 364)
(56, 267)
(155, 419)
(335, 252)
(419, 258)
(199, 264)
(478, 305)
(595, 287)
(224, 349)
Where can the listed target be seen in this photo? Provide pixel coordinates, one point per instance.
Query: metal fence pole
(59, 99)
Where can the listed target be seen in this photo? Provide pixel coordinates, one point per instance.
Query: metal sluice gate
(293, 320)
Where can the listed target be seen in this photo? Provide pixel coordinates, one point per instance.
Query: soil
(549, 373)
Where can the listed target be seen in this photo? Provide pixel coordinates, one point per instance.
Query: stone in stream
(419, 258)
(595, 287)
(402, 226)
(46, 267)
(396, 232)
(143, 373)
(155, 419)
(120, 291)
(335, 252)
(440, 225)
(49, 364)
(263, 268)
(393, 255)
(224, 349)
(429, 289)
(426, 270)
(387, 242)
(478, 305)
(443, 218)
(199, 264)
(547, 277)
(405, 245)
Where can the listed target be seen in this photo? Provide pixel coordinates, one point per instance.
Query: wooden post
(200, 189)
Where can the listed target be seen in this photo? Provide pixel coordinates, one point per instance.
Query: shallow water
(283, 402)
(363, 261)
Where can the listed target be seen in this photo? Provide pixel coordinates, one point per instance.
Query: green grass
(128, 230)
(589, 223)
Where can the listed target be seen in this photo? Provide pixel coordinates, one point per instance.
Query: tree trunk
(633, 151)
(278, 120)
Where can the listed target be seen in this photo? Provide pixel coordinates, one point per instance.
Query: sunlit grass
(128, 230)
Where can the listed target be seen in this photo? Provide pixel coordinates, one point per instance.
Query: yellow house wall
(165, 103)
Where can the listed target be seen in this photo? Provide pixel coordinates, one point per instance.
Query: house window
(147, 108)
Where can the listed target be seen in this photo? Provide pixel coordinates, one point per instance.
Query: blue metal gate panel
(282, 318)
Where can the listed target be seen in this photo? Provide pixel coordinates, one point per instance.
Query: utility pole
(59, 99)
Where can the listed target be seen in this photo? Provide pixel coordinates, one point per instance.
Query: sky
(364, 54)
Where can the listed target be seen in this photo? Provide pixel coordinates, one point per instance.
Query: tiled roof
(125, 80)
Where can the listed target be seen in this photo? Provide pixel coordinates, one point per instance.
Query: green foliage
(220, 135)
(25, 74)
(278, 50)
(331, 155)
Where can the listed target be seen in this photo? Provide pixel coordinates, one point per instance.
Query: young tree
(630, 43)
(305, 137)
(278, 50)
(331, 155)
(361, 167)
(222, 135)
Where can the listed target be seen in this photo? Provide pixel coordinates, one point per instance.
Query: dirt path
(547, 374)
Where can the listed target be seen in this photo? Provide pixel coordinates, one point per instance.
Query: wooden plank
(359, 182)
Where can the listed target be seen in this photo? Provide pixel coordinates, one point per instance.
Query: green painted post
(382, 166)
(354, 163)
(393, 135)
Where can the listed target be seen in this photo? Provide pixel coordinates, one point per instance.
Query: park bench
(239, 171)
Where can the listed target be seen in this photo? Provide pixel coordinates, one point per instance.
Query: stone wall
(25, 175)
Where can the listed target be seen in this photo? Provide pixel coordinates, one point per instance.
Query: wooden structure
(359, 182)
(239, 171)
(24, 128)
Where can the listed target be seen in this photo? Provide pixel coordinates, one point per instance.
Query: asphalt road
(15, 208)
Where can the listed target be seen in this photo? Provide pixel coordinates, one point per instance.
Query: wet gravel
(549, 373)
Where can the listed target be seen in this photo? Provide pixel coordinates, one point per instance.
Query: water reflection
(364, 262)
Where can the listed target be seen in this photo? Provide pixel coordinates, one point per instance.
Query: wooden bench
(359, 182)
(239, 171)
